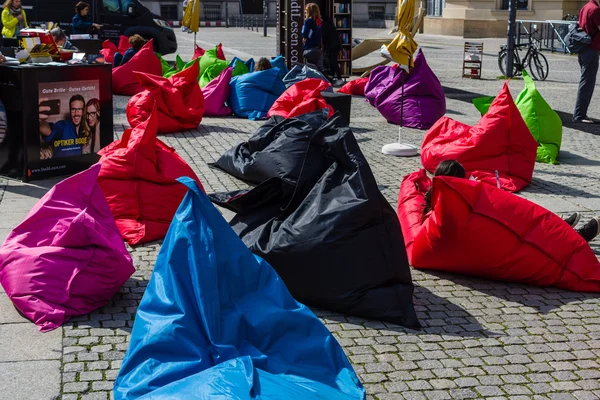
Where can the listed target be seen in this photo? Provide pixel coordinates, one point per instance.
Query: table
(88, 46)
(80, 118)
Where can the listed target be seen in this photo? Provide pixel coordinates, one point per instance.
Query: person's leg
(335, 66)
(117, 60)
(588, 61)
(590, 230)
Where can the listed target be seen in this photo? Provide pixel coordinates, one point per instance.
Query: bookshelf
(342, 18)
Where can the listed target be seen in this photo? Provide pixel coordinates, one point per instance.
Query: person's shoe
(573, 219)
(338, 82)
(590, 230)
(584, 121)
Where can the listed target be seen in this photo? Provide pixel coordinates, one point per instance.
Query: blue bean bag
(217, 322)
(252, 95)
(279, 62)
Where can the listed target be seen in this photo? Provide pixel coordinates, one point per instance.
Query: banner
(69, 118)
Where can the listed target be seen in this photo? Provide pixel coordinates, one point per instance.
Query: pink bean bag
(216, 94)
(67, 258)
(124, 80)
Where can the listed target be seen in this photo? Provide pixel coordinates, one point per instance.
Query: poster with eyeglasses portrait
(69, 118)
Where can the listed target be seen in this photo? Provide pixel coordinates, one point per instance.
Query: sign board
(290, 19)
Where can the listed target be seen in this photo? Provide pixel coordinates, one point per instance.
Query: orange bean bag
(500, 141)
(301, 98)
(179, 100)
(476, 229)
(123, 77)
(355, 87)
(138, 179)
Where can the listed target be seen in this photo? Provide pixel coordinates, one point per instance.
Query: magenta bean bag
(67, 258)
(216, 94)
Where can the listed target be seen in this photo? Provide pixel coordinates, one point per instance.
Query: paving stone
(39, 380)
(76, 387)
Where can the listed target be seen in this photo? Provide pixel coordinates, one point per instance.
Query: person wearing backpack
(589, 21)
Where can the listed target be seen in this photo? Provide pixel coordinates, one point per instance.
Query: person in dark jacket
(80, 22)
(332, 47)
(311, 34)
(136, 42)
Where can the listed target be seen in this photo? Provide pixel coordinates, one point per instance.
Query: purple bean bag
(424, 101)
(67, 258)
(216, 94)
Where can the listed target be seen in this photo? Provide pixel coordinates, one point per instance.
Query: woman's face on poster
(92, 115)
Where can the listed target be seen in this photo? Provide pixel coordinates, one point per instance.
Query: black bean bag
(319, 219)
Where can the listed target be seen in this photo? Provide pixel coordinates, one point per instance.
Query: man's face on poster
(77, 111)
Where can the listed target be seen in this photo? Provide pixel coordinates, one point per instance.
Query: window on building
(521, 4)
(112, 5)
(212, 12)
(169, 12)
(435, 7)
(376, 12)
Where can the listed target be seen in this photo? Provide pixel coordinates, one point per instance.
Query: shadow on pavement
(567, 120)
(544, 299)
(541, 186)
(568, 158)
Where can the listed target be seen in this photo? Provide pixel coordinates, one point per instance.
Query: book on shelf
(341, 8)
(345, 38)
(342, 22)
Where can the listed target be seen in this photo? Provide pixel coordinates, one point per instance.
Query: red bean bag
(179, 100)
(500, 141)
(216, 94)
(109, 49)
(355, 87)
(301, 98)
(138, 179)
(123, 77)
(479, 230)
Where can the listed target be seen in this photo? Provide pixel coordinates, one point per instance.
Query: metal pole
(265, 12)
(510, 44)
(226, 14)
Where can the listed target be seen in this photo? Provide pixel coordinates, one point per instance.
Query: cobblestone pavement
(480, 339)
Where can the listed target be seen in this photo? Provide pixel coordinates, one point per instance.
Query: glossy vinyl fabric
(476, 229)
(109, 49)
(252, 95)
(543, 122)
(319, 219)
(301, 72)
(211, 66)
(216, 94)
(217, 322)
(178, 100)
(301, 98)
(500, 141)
(355, 87)
(67, 257)
(124, 80)
(424, 100)
(138, 178)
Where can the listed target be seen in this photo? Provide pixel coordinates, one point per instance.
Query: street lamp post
(265, 12)
(510, 44)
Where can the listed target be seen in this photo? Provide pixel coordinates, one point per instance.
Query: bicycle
(534, 59)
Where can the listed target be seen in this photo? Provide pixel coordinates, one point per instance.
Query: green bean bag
(211, 66)
(543, 122)
(180, 65)
(164, 63)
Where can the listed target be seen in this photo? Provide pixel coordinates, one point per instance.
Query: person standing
(589, 21)
(80, 22)
(332, 47)
(311, 34)
(13, 18)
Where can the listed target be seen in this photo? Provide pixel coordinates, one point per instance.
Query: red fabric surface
(220, 53)
(476, 229)
(179, 100)
(499, 141)
(301, 98)
(138, 179)
(124, 80)
(109, 49)
(355, 87)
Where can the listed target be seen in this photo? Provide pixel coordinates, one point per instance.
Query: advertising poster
(69, 118)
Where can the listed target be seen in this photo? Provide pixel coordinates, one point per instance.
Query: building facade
(466, 18)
